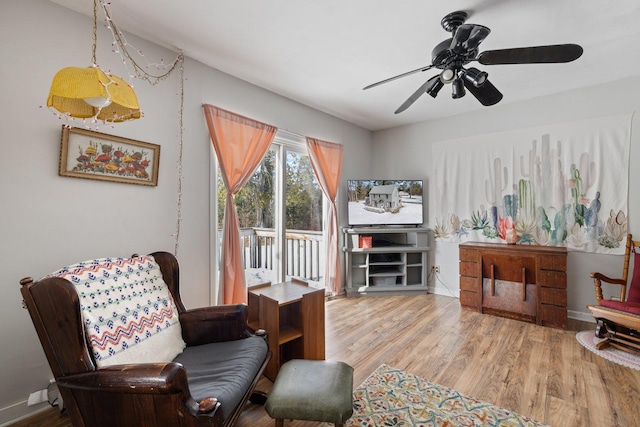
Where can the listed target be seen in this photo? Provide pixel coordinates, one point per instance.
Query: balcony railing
(304, 251)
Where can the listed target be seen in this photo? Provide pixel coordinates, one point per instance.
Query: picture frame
(95, 155)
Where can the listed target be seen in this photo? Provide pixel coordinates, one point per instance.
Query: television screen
(384, 202)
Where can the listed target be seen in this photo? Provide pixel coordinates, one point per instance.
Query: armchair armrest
(145, 378)
(602, 277)
(598, 278)
(214, 324)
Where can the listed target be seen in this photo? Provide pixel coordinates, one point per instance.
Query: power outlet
(435, 269)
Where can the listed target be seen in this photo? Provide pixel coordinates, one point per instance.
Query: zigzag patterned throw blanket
(127, 309)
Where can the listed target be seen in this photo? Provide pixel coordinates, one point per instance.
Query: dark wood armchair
(149, 394)
(618, 320)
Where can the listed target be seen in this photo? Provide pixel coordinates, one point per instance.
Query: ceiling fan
(453, 54)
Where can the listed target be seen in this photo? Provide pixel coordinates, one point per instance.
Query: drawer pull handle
(493, 281)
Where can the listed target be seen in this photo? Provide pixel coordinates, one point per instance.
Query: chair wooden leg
(601, 329)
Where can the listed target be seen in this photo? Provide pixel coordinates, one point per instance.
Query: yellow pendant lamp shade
(79, 92)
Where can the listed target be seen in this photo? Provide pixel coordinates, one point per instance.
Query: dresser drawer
(552, 279)
(470, 300)
(553, 262)
(469, 284)
(553, 296)
(471, 269)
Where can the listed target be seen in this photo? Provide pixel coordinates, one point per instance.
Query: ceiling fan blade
(487, 94)
(428, 67)
(468, 37)
(422, 89)
(532, 55)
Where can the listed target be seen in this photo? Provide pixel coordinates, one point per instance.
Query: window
(304, 219)
(280, 246)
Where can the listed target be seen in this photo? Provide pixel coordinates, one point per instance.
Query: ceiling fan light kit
(457, 89)
(435, 87)
(453, 54)
(475, 76)
(447, 75)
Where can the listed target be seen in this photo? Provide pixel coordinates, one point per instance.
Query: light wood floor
(540, 372)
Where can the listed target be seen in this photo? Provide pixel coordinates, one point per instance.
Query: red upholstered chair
(619, 320)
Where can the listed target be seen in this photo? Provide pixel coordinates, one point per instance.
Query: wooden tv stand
(523, 282)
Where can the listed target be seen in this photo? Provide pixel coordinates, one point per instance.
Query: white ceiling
(322, 53)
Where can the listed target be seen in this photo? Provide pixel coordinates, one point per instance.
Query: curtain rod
(303, 138)
(297, 135)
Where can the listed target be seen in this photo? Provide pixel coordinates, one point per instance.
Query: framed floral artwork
(94, 155)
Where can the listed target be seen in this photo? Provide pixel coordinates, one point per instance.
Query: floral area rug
(392, 397)
(589, 340)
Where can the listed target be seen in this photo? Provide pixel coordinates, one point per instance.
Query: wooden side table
(293, 316)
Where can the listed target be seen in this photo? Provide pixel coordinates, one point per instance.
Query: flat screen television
(375, 202)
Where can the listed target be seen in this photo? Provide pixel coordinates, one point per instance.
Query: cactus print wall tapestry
(557, 185)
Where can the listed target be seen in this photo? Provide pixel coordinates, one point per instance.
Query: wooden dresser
(521, 282)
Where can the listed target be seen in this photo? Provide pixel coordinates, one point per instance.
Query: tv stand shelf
(386, 261)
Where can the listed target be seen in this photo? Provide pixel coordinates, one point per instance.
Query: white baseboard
(441, 290)
(579, 315)
(19, 411)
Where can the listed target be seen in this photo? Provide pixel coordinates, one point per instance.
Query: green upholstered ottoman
(312, 390)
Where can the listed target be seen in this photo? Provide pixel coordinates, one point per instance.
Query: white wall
(391, 147)
(47, 221)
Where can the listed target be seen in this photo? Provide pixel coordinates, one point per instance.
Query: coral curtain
(326, 159)
(240, 144)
